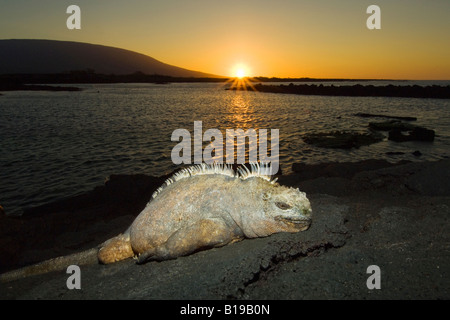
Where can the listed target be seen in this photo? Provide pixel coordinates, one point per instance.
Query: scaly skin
(199, 208)
(210, 210)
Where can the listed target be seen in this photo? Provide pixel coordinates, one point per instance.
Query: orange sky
(284, 38)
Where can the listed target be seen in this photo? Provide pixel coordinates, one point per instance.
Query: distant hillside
(50, 56)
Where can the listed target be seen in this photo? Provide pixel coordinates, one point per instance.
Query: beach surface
(394, 216)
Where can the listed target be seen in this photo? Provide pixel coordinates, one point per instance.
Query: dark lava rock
(417, 134)
(370, 115)
(422, 134)
(415, 91)
(119, 190)
(397, 136)
(394, 153)
(346, 139)
(395, 129)
(339, 169)
(391, 125)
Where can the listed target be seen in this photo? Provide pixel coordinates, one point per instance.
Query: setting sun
(240, 77)
(240, 71)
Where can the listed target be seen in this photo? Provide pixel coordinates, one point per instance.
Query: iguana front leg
(206, 233)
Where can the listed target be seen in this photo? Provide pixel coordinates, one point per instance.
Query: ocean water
(59, 144)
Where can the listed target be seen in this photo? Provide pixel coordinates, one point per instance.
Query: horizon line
(218, 76)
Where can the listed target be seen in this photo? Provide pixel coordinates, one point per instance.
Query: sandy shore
(366, 213)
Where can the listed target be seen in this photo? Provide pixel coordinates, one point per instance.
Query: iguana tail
(115, 249)
(57, 264)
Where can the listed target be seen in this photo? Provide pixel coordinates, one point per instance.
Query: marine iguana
(199, 207)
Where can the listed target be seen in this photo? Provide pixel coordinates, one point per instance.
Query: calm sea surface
(58, 144)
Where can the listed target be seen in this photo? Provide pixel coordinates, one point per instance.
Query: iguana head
(273, 208)
(287, 209)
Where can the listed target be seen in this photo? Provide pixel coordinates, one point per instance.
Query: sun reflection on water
(245, 121)
(241, 112)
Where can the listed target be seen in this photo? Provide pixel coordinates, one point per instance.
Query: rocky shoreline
(357, 90)
(395, 216)
(11, 86)
(348, 139)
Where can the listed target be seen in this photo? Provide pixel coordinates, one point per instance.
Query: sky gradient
(284, 38)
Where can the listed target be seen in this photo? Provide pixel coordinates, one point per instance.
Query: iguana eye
(282, 205)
